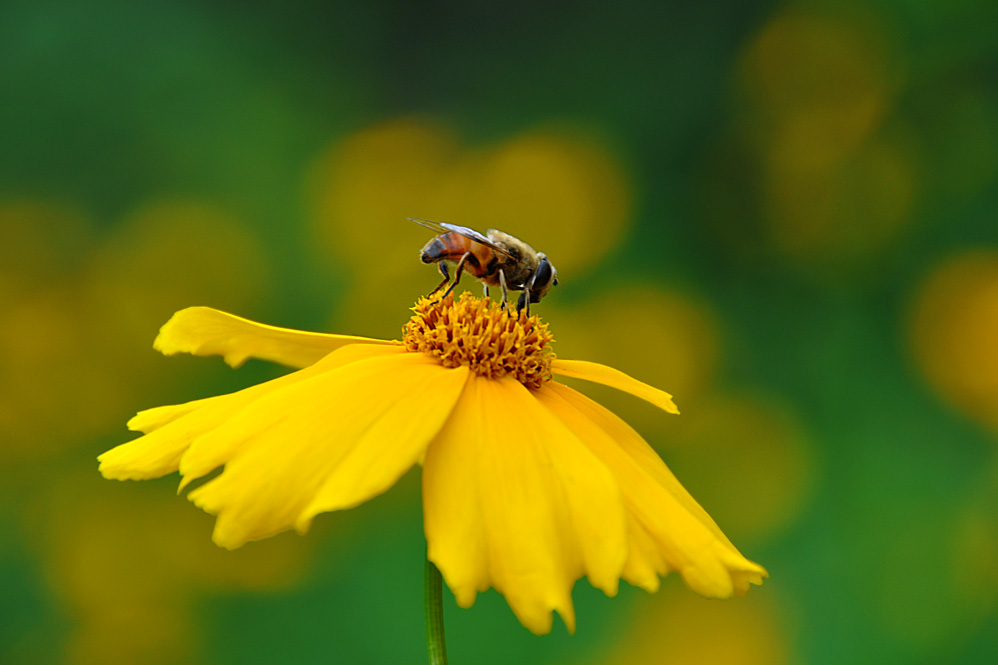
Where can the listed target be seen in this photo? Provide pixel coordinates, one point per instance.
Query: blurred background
(783, 213)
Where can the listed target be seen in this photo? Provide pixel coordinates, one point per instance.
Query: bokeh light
(819, 85)
(166, 253)
(129, 571)
(748, 461)
(975, 550)
(664, 337)
(43, 243)
(954, 326)
(679, 628)
(837, 181)
(43, 345)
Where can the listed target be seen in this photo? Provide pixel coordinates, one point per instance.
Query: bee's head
(544, 278)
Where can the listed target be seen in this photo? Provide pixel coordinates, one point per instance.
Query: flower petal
(525, 508)
(608, 376)
(206, 453)
(285, 451)
(152, 419)
(392, 444)
(204, 331)
(685, 536)
(645, 565)
(172, 429)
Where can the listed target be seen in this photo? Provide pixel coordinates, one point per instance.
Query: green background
(785, 214)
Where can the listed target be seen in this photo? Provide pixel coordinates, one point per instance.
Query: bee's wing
(430, 224)
(444, 227)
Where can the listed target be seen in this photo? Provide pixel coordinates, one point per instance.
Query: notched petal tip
(107, 469)
(753, 574)
(149, 420)
(203, 331)
(177, 335)
(125, 463)
(733, 577)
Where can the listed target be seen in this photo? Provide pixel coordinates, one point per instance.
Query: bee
(494, 258)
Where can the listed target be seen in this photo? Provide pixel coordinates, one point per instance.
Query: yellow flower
(527, 484)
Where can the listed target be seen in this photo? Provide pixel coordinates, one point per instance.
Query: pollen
(480, 334)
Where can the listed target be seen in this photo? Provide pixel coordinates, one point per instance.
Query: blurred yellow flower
(674, 629)
(760, 489)
(953, 327)
(836, 175)
(527, 484)
(162, 566)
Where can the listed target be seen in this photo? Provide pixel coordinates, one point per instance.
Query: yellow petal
(286, 448)
(686, 537)
(521, 505)
(203, 331)
(152, 419)
(394, 442)
(608, 376)
(206, 453)
(172, 429)
(645, 565)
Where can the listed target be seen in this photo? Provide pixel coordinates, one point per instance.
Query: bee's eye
(543, 275)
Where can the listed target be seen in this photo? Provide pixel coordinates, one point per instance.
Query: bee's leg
(443, 271)
(485, 288)
(524, 301)
(505, 293)
(457, 274)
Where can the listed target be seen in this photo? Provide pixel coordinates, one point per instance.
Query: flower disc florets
(479, 333)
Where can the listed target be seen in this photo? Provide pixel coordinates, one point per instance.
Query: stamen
(477, 332)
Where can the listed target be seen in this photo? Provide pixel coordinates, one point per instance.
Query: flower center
(478, 333)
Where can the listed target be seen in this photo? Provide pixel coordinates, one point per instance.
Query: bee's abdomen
(434, 251)
(452, 246)
(447, 247)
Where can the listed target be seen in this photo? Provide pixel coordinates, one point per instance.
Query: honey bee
(494, 258)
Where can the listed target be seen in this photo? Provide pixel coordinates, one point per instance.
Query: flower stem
(435, 643)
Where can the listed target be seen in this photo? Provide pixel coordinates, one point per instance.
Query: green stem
(435, 643)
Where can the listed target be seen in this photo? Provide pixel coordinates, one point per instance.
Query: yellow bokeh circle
(837, 181)
(975, 551)
(361, 190)
(43, 242)
(55, 390)
(129, 566)
(953, 332)
(748, 460)
(165, 256)
(816, 86)
(666, 338)
(678, 627)
(842, 211)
